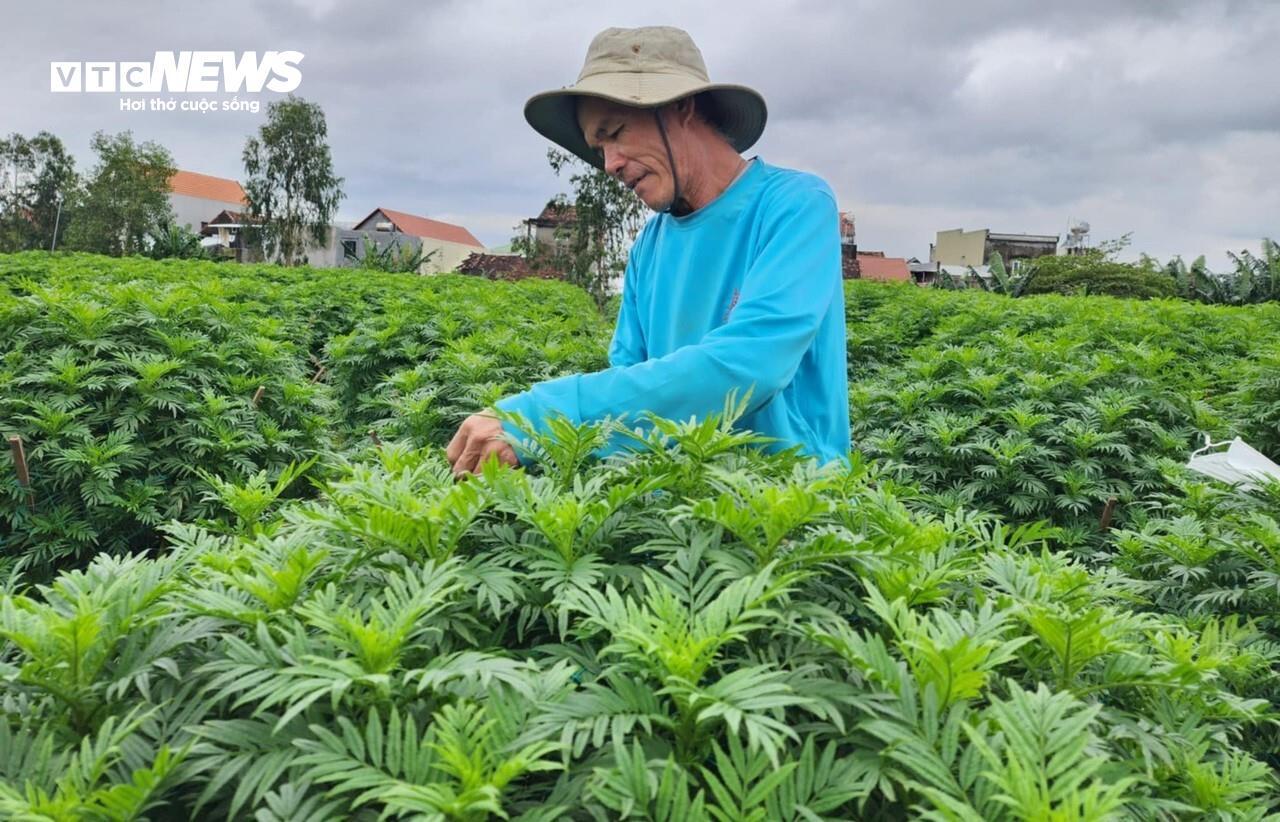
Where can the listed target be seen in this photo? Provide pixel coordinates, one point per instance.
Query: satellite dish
(1077, 237)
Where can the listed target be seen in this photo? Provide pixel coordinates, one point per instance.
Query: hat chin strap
(671, 159)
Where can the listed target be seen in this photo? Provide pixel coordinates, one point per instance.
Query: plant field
(130, 381)
(226, 598)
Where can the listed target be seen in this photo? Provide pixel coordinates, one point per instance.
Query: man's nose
(613, 161)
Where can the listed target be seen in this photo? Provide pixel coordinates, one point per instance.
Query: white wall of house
(328, 255)
(192, 211)
(448, 255)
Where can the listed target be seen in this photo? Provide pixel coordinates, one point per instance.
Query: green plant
(394, 257)
(1049, 407)
(175, 241)
(130, 381)
(700, 629)
(1255, 278)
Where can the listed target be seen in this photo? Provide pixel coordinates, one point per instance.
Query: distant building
(549, 239)
(344, 243)
(502, 267)
(848, 229)
(196, 198)
(553, 227)
(848, 246)
(874, 265)
(866, 265)
(922, 273)
(451, 243)
(228, 238)
(960, 247)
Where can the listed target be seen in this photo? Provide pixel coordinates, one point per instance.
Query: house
(960, 247)
(549, 236)
(549, 239)
(885, 269)
(874, 265)
(866, 265)
(449, 244)
(552, 227)
(848, 246)
(1016, 249)
(228, 237)
(195, 197)
(502, 267)
(922, 273)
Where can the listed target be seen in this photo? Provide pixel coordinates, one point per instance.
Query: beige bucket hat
(644, 68)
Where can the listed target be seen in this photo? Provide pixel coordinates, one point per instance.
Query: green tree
(1196, 281)
(291, 188)
(126, 199)
(608, 216)
(1093, 273)
(1257, 279)
(37, 176)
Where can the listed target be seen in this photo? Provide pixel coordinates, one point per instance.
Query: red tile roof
(424, 227)
(207, 187)
(893, 269)
(503, 267)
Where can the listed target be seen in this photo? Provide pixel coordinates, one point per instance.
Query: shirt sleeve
(785, 293)
(627, 347)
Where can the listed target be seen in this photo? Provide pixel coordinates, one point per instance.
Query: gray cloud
(1152, 117)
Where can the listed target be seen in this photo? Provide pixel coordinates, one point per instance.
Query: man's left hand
(479, 436)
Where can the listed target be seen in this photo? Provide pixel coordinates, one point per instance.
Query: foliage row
(701, 632)
(239, 604)
(1049, 407)
(130, 382)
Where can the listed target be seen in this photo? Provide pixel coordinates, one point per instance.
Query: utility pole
(57, 219)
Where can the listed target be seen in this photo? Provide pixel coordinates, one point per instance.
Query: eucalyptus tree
(290, 183)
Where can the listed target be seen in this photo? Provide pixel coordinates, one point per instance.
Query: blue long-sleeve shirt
(743, 293)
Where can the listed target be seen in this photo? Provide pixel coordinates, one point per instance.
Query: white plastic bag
(1240, 463)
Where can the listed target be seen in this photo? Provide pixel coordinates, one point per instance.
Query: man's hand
(479, 436)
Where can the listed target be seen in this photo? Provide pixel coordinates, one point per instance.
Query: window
(348, 249)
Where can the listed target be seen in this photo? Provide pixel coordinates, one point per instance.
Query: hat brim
(741, 111)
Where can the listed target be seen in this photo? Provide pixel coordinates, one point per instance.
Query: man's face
(628, 140)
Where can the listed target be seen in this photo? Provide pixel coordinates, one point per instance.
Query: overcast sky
(1157, 118)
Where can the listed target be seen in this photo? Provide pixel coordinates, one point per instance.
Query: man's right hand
(479, 436)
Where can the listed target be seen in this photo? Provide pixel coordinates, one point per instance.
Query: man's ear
(684, 110)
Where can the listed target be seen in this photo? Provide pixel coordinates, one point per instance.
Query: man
(735, 284)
